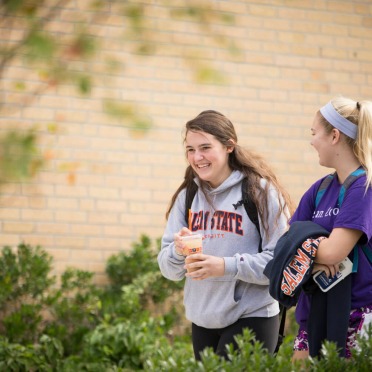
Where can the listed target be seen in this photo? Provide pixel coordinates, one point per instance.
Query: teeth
(203, 166)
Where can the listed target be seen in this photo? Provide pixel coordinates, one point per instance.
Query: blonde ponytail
(359, 113)
(363, 144)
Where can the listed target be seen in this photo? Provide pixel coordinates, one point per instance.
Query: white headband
(338, 121)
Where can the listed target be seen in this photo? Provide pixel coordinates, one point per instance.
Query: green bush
(125, 341)
(31, 305)
(75, 308)
(24, 282)
(44, 356)
(137, 286)
(142, 348)
(112, 329)
(250, 356)
(125, 267)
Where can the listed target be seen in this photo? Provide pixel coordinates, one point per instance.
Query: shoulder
(357, 191)
(312, 191)
(306, 206)
(267, 185)
(361, 182)
(181, 199)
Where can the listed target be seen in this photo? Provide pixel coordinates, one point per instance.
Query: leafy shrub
(124, 341)
(80, 335)
(137, 288)
(24, 282)
(75, 309)
(125, 267)
(31, 305)
(250, 356)
(44, 356)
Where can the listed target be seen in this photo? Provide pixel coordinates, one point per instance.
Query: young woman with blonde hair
(342, 136)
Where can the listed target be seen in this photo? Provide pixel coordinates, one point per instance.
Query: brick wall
(105, 185)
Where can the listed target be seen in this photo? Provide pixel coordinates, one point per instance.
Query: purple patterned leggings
(358, 318)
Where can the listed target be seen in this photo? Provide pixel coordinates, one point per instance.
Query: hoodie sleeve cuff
(231, 268)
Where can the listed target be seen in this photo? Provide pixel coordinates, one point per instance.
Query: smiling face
(208, 157)
(322, 142)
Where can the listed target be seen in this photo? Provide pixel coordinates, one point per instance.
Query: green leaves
(23, 282)
(19, 156)
(40, 46)
(138, 265)
(80, 335)
(23, 273)
(127, 114)
(12, 5)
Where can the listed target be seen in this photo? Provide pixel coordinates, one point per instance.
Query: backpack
(251, 209)
(347, 183)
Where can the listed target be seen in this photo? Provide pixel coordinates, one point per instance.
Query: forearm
(332, 250)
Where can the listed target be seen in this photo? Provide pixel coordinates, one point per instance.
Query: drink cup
(194, 244)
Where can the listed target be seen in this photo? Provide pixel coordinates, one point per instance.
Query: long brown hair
(251, 164)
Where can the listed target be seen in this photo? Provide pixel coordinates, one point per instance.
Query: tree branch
(12, 52)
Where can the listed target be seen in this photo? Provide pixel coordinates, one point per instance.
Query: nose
(198, 155)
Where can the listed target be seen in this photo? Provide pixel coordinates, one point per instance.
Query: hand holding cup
(193, 244)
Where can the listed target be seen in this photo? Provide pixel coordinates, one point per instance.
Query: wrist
(178, 254)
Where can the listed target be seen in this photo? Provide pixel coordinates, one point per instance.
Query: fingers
(333, 269)
(201, 266)
(330, 270)
(193, 263)
(179, 246)
(184, 231)
(196, 272)
(195, 257)
(178, 243)
(197, 275)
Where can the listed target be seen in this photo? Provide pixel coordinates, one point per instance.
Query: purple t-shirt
(355, 213)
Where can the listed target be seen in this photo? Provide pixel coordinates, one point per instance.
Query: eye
(189, 150)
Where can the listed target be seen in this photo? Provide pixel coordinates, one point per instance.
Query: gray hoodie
(243, 291)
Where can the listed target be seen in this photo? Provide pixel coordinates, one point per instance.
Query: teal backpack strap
(355, 260)
(349, 180)
(366, 251)
(323, 187)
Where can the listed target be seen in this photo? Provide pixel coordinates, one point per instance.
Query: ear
(231, 146)
(336, 135)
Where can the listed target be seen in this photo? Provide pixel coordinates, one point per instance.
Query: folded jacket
(293, 261)
(290, 271)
